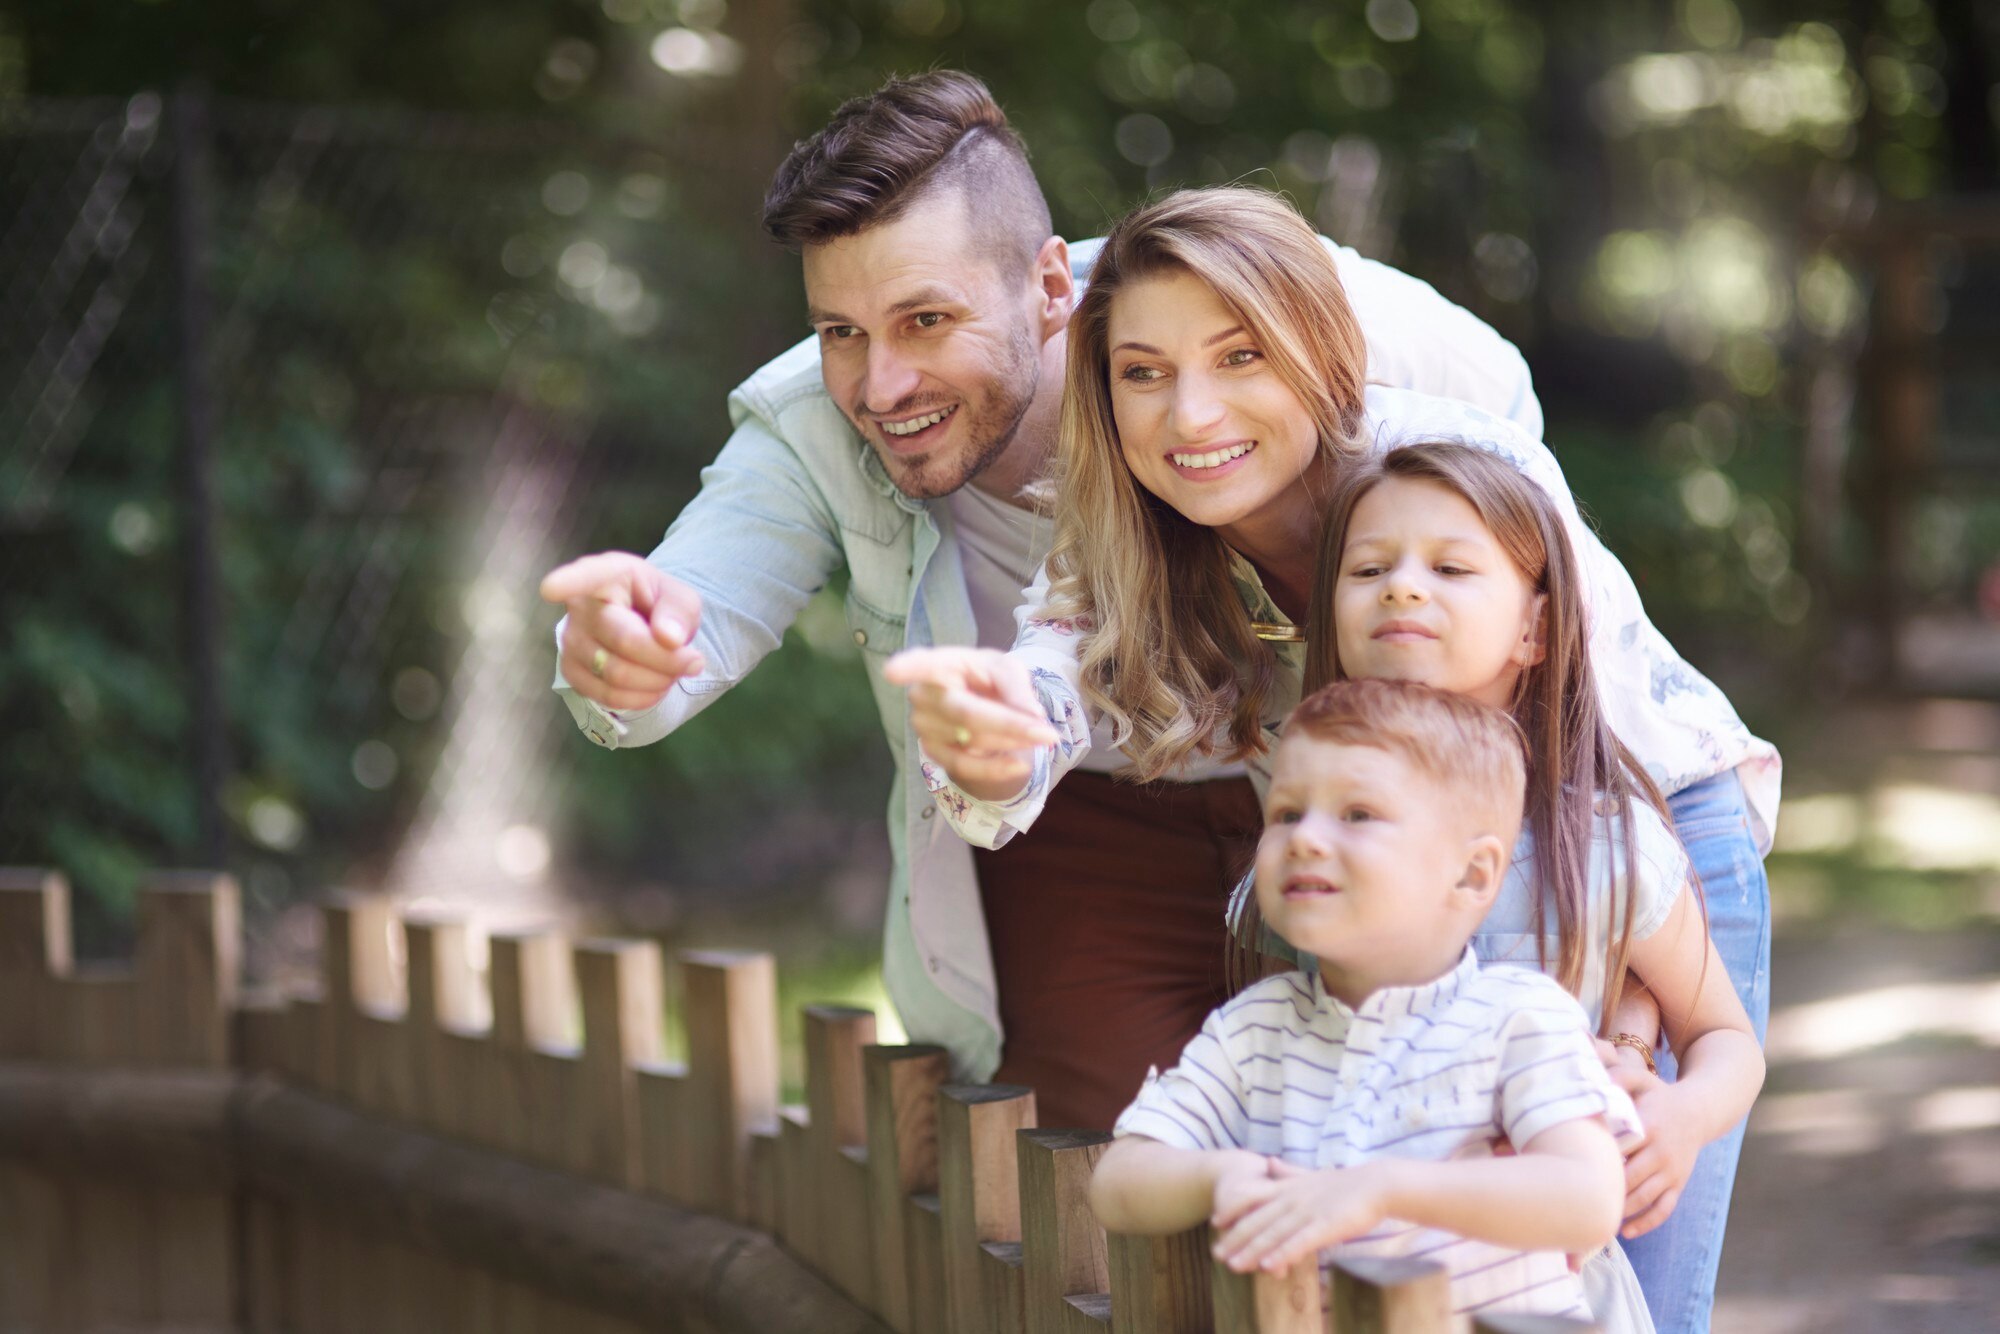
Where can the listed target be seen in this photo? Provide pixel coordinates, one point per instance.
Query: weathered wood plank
(979, 1194)
(1062, 1247)
(1159, 1285)
(901, 1085)
(838, 1122)
(34, 952)
(1389, 1295)
(187, 965)
(732, 1032)
(1287, 1303)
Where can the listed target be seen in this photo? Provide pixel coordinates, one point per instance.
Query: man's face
(930, 347)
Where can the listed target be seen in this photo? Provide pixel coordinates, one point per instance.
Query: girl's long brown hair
(1577, 767)
(1170, 657)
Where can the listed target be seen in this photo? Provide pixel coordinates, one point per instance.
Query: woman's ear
(1534, 645)
(1486, 865)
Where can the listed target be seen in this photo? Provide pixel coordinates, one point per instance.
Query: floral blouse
(1673, 718)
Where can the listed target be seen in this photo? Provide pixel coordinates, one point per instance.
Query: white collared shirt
(1433, 1072)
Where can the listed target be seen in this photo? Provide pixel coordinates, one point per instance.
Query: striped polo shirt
(1438, 1071)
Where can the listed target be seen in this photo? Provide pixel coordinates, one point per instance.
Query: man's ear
(1534, 645)
(1485, 871)
(1055, 286)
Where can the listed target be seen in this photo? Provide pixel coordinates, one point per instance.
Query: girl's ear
(1534, 645)
(1485, 871)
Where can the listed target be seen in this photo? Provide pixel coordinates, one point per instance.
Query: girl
(1442, 564)
(1215, 396)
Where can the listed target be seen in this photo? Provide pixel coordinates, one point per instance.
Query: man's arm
(1419, 340)
(733, 571)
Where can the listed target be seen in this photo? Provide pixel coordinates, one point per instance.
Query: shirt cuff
(984, 824)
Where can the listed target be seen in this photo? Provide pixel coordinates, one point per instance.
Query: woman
(1216, 385)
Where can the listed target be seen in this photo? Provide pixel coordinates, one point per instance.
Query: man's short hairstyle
(1471, 750)
(906, 141)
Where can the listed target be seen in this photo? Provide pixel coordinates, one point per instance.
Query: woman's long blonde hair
(1168, 654)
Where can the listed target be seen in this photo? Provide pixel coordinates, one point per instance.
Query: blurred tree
(1630, 191)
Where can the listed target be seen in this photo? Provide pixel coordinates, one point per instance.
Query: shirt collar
(1394, 1002)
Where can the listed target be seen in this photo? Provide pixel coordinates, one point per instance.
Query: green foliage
(1624, 189)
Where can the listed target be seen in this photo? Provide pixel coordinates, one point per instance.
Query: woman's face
(1204, 421)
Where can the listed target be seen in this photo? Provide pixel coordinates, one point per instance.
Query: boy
(1356, 1109)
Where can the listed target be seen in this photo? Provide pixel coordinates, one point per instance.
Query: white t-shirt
(1508, 933)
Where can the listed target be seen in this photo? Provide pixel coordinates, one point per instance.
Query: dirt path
(1869, 1198)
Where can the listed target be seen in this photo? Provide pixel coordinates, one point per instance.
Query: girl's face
(1427, 594)
(1205, 422)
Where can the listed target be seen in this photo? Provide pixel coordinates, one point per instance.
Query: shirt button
(861, 638)
(933, 963)
(927, 812)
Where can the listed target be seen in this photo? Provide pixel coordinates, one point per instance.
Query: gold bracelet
(1640, 1045)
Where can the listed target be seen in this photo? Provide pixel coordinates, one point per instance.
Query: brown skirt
(1106, 921)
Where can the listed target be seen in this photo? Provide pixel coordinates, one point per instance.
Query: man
(905, 441)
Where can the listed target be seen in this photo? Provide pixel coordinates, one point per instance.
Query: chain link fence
(296, 406)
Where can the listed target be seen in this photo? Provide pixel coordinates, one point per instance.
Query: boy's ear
(1534, 645)
(1485, 871)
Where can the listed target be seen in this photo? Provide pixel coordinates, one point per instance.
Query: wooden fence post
(190, 931)
(979, 1192)
(1160, 1285)
(1390, 1295)
(732, 1041)
(901, 1096)
(623, 990)
(1065, 1278)
(1287, 1303)
(34, 954)
(838, 1126)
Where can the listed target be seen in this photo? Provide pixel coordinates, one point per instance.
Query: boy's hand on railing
(630, 632)
(1304, 1212)
(1240, 1186)
(976, 715)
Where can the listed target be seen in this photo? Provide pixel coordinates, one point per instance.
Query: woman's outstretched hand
(976, 715)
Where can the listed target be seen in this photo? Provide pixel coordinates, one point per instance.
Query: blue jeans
(1676, 1262)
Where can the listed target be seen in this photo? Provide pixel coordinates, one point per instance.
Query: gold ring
(961, 736)
(598, 661)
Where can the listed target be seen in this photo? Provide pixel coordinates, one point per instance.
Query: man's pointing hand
(630, 633)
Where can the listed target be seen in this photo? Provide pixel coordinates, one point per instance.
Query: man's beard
(933, 476)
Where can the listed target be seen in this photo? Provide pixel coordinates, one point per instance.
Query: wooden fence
(414, 1150)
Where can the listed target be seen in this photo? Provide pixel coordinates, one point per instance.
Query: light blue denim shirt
(796, 494)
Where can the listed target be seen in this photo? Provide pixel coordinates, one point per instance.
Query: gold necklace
(1274, 633)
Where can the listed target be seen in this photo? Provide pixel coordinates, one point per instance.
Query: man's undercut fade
(907, 141)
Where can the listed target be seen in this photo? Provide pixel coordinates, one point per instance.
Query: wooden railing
(415, 1148)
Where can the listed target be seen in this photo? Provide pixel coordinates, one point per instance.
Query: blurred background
(325, 330)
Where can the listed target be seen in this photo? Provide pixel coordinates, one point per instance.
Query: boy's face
(1371, 866)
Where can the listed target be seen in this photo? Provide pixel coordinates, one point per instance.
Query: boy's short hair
(909, 139)
(1473, 750)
